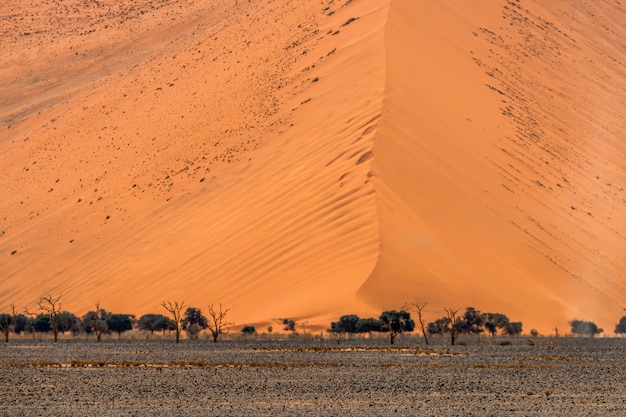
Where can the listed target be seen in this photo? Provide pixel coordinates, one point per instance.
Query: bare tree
(176, 310)
(98, 323)
(217, 323)
(52, 307)
(419, 308)
(7, 322)
(451, 315)
(31, 316)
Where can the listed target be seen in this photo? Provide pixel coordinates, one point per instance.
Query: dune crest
(310, 159)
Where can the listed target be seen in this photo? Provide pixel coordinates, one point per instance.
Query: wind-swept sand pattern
(311, 159)
(226, 165)
(502, 184)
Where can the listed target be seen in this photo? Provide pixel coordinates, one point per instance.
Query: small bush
(248, 330)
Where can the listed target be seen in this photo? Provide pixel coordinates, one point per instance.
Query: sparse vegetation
(7, 323)
(584, 328)
(346, 324)
(419, 308)
(67, 322)
(620, 328)
(95, 322)
(119, 323)
(51, 306)
(473, 322)
(155, 322)
(175, 309)
(396, 322)
(248, 330)
(217, 323)
(289, 325)
(194, 322)
(451, 316)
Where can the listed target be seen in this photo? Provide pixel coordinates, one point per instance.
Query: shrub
(584, 328)
(621, 326)
(119, 323)
(248, 330)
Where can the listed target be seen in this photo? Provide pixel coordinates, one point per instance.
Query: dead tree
(451, 315)
(176, 310)
(419, 308)
(217, 323)
(52, 307)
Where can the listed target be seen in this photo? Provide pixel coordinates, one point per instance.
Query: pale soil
(554, 377)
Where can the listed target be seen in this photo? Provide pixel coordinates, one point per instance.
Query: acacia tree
(248, 330)
(217, 324)
(194, 322)
(289, 325)
(67, 321)
(419, 309)
(346, 324)
(7, 323)
(119, 323)
(176, 310)
(439, 326)
(451, 315)
(495, 321)
(396, 322)
(585, 328)
(369, 325)
(620, 328)
(472, 321)
(154, 322)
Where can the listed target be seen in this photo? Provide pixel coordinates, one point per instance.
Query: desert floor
(555, 377)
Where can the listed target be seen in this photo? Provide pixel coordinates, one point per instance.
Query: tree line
(452, 323)
(396, 322)
(51, 318)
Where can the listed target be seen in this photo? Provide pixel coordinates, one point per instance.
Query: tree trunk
(55, 329)
(215, 335)
(6, 336)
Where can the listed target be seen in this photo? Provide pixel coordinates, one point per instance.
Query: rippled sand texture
(310, 159)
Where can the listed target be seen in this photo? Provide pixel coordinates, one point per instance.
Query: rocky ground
(547, 377)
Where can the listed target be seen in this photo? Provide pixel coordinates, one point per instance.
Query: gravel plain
(486, 377)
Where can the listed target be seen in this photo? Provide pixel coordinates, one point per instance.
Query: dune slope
(499, 163)
(206, 153)
(312, 159)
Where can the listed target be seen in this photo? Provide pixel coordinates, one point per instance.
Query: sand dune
(312, 159)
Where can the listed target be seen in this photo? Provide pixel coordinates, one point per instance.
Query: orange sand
(289, 161)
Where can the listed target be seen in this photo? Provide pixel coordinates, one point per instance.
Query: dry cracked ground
(485, 377)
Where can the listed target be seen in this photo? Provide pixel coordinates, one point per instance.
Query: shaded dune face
(312, 159)
(500, 160)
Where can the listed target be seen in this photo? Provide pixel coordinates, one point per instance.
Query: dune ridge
(307, 160)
